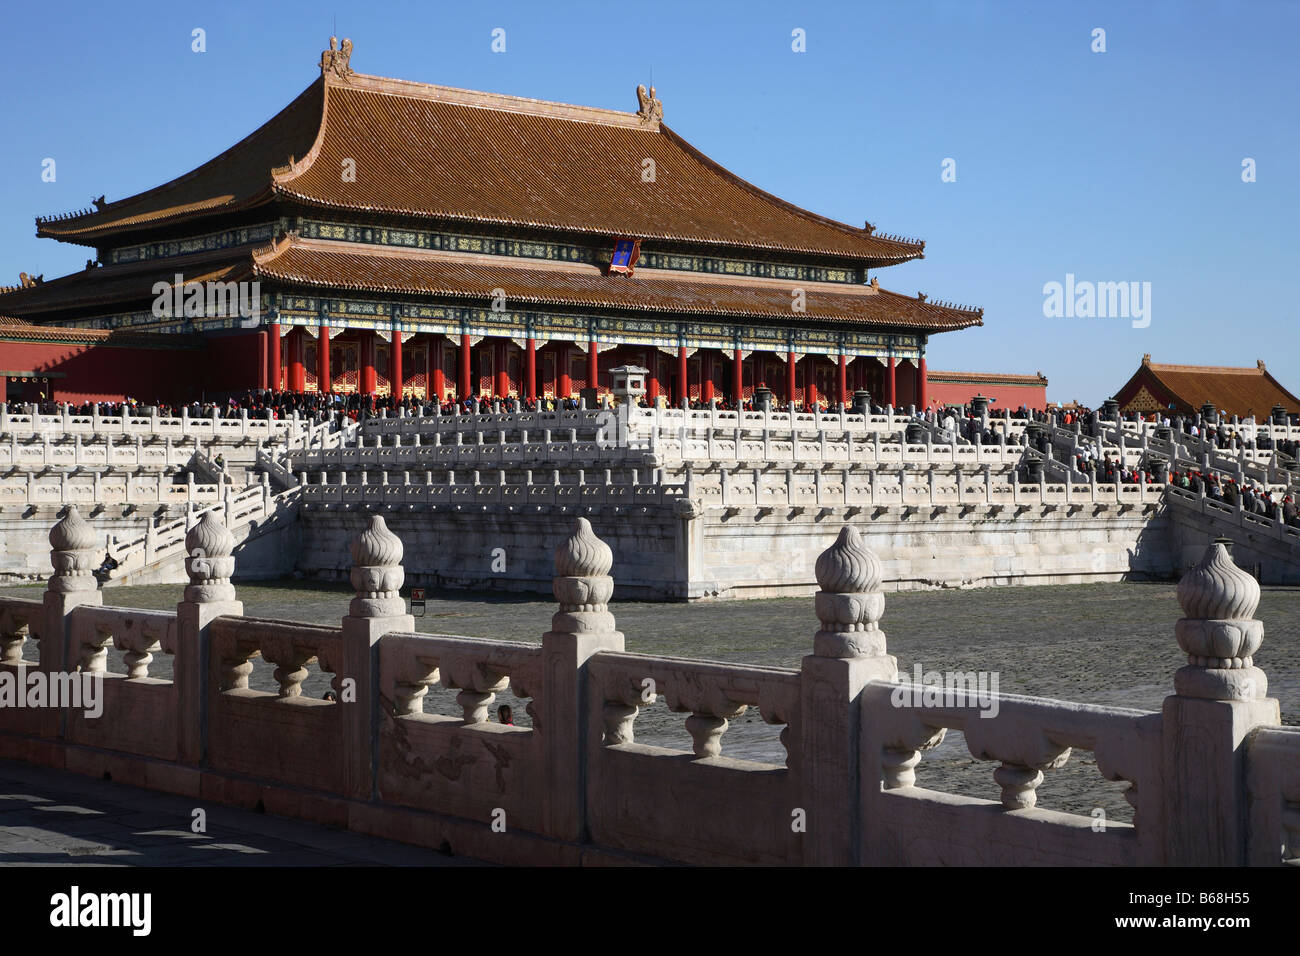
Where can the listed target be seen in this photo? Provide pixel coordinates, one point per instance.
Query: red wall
(232, 364)
(100, 373)
(1008, 396)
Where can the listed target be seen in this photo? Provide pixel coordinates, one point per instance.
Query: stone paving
(55, 818)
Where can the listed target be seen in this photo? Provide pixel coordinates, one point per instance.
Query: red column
(593, 367)
(683, 376)
(274, 357)
(738, 379)
(920, 384)
(790, 379)
(501, 385)
(297, 374)
(433, 377)
(530, 370)
(652, 376)
(706, 377)
(466, 389)
(890, 393)
(564, 387)
(263, 361)
(395, 365)
(844, 380)
(367, 349)
(323, 360)
(810, 382)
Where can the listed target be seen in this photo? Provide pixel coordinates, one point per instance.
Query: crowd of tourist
(971, 423)
(1252, 496)
(1110, 469)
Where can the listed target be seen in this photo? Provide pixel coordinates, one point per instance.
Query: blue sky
(1122, 166)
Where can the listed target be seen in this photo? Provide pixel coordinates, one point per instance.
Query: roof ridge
(482, 99)
(991, 376)
(1208, 369)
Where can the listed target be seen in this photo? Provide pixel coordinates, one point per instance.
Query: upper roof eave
(277, 158)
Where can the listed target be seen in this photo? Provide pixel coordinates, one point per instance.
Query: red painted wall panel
(102, 373)
(1007, 396)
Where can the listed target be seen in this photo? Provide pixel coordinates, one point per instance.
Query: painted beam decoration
(667, 333)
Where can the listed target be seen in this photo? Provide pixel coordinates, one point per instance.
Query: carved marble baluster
(707, 730)
(13, 635)
(139, 642)
(138, 658)
(898, 761)
(408, 695)
(477, 683)
(236, 669)
(774, 710)
(522, 691)
(1018, 784)
(291, 672)
(475, 704)
(619, 719)
(1291, 824)
(94, 651)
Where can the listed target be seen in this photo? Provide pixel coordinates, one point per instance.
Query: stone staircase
(156, 554)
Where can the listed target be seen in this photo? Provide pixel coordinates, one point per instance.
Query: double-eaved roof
(367, 146)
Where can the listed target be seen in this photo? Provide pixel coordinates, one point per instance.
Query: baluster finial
(377, 573)
(1219, 632)
(582, 584)
(72, 554)
(850, 603)
(209, 561)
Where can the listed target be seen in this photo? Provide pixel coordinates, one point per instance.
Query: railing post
(209, 547)
(581, 628)
(377, 609)
(73, 546)
(1219, 701)
(848, 652)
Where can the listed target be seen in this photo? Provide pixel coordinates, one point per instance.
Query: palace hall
(405, 238)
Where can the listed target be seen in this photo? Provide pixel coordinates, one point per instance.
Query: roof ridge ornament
(652, 110)
(337, 59)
